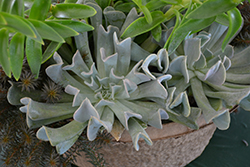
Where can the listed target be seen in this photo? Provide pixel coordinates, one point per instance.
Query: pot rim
(168, 130)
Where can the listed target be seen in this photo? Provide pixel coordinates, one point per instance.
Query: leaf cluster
(243, 38)
(25, 24)
(19, 145)
(190, 16)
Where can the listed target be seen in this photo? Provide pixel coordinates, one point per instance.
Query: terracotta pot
(173, 146)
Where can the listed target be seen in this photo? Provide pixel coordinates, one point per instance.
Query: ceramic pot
(173, 146)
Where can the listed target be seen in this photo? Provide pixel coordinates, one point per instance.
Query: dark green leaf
(222, 19)
(34, 55)
(147, 14)
(141, 26)
(173, 2)
(62, 30)
(70, 1)
(16, 54)
(46, 31)
(155, 4)
(2, 20)
(38, 37)
(73, 11)
(4, 55)
(75, 25)
(235, 22)
(103, 3)
(125, 7)
(181, 32)
(156, 32)
(212, 8)
(177, 23)
(17, 24)
(50, 50)
(18, 8)
(39, 9)
(7, 5)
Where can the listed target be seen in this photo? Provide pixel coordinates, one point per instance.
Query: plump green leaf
(103, 3)
(62, 30)
(50, 50)
(34, 55)
(72, 11)
(38, 38)
(70, 1)
(2, 20)
(147, 14)
(125, 7)
(16, 54)
(177, 23)
(181, 32)
(4, 55)
(235, 22)
(7, 5)
(156, 32)
(39, 9)
(173, 2)
(222, 19)
(18, 8)
(46, 31)
(212, 8)
(141, 26)
(155, 4)
(75, 25)
(17, 23)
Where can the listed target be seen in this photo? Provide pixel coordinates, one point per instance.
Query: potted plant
(134, 70)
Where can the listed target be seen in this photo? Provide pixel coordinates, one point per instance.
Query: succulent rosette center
(110, 93)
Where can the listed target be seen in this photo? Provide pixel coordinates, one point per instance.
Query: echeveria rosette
(199, 65)
(239, 73)
(177, 104)
(111, 94)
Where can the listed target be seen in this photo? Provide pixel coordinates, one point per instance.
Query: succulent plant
(112, 84)
(200, 66)
(112, 93)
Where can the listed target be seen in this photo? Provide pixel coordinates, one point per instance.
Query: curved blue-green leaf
(34, 55)
(136, 132)
(141, 25)
(235, 23)
(4, 54)
(16, 51)
(76, 11)
(211, 8)
(39, 9)
(58, 135)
